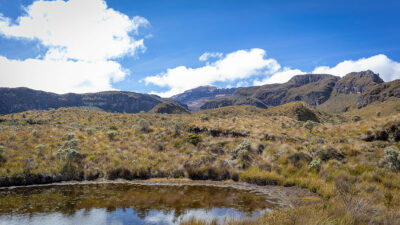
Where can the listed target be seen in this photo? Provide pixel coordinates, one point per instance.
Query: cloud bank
(83, 39)
(236, 65)
(253, 64)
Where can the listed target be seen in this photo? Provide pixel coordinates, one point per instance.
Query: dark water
(126, 204)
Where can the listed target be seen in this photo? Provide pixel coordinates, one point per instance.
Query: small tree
(392, 158)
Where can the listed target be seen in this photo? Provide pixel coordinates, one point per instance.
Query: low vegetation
(340, 158)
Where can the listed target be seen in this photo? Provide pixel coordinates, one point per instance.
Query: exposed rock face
(339, 94)
(380, 92)
(357, 83)
(313, 89)
(196, 97)
(14, 100)
(169, 108)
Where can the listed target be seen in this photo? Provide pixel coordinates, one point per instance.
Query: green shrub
(142, 125)
(204, 117)
(356, 118)
(378, 114)
(2, 149)
(113, 127)
(111, 135)
(309, 125)
(392, 158)
(315, 164)
(68, 154)
(193, 139)
(40, 148)
(244, 154)
(69, 136)
(90, 131)
(73, 143)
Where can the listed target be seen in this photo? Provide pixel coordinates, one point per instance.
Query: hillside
(328, 93)
(14, 100)
(275, 146)
(313, 89)
(348, 90)
(196, 97)
(169, 108)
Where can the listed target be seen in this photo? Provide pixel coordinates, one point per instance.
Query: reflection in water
(126, 204)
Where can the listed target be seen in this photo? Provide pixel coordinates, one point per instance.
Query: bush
(113, 127)
(244, 154)
(143, 126)
(298, 159)
(2, 149)
(204, 117)
(309, 125)
(111, 134)
(328, 153)
(90, 131)
(315, 164)
(392, 158)
(193, 139)
(40, 148)
(73, 143)
(69, 136)
(356, 118)
(68, 154)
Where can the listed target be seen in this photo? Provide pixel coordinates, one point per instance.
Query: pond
(125, 203)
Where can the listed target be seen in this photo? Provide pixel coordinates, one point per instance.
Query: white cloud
(388, 69)
(71, 76)
(236, 65)
(83, 39)
(279, 77)
(242, 65)
(208, 55)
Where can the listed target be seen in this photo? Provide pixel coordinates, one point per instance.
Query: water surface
(127, 204)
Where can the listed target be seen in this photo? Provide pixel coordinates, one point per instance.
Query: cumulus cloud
(243, 64)
(236, 65)
(388, 69)
(83, 39)
(208, 55)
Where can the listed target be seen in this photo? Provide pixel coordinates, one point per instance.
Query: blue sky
(287, 37)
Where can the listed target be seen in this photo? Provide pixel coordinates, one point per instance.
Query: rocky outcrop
(380, 93)
(196, 97)
(357, 83)
(313, 89)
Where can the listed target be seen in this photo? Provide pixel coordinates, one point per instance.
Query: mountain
(169, 108)
(348, 90)
(194, 98)
(313, 89)
(380, 92)
(14, 100)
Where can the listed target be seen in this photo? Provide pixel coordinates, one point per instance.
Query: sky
(165, 47)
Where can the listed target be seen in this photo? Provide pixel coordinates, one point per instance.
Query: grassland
(356, 176)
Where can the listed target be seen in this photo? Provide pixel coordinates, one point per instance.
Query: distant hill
(313, 89)
(169, 108)
(194, 98)
(14, 100)
(327, 92)
(348, 90)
